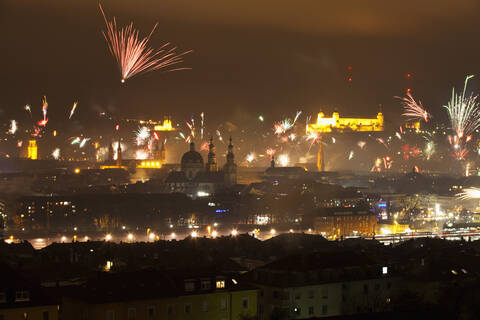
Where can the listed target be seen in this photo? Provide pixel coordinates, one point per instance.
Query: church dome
(192, 157)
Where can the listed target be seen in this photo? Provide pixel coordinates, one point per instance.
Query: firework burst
(469, 193)
(132, 53)
(413, 109)
(463, 112)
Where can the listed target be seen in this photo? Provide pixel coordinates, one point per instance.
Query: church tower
(159, 152)
(111, 153)
(212, 159)
(230, 168)
(163, 154)
(119, 154)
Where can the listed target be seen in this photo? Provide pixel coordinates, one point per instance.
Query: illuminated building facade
(166, 126)
(32, 150)
(339, 222)
(337, 124)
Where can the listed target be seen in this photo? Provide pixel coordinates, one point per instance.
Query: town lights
(130, 237)
(108, 237)
(214, 233)
(173, 235)
(63, 239)
(85, 238)
(234, 232)
(194, 234)
(151, 236)
(273, 231)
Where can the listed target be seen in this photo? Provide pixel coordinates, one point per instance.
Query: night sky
(250, 57)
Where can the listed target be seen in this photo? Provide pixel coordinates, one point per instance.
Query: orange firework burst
(133, 54)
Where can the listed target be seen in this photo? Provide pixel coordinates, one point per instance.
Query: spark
(260, 117)
(361, 144)
(132, 53)
(463, 112)
(73, 109)
(56, 154)
(350, 155)
(250, 157)
(83, 142)
(398, 135)
(42, 123)
(284, 160)
(429, 149)
(142, 134)
(413, 109)
(204, 146)
(28, 109)
(271, 152)
(469, 193)
(141, 154)
(13, 127)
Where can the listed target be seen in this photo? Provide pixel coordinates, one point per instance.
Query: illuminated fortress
(337, 124)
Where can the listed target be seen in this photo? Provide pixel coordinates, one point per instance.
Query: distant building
(32, 150)
(338, 222)
(322, 285)
(161, 295)
(19, 299)
(197, 179)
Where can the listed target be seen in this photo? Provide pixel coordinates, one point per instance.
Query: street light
(108, 237)
(234, 232)
(130, 237)
(194, 234)
(214, 233)
(273, 231)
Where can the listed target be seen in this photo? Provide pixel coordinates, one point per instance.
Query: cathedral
(199, 179)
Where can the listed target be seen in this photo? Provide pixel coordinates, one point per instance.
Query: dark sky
(250, 57)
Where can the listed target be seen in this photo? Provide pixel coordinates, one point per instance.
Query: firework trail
(132, 53)
(202, 119)
(73, 109)
(13, 127)
(351, 155)
(75, 140)
(380, 140)
(413, 109)
(83, 142)
(463, 112)
(469, 193)
(44, 109)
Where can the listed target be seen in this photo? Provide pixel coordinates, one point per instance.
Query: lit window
(220, 284)
(189, 286)
(205, 285)
(384, 270)
(22, 296)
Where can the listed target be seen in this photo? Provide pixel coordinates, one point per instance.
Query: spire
(111, 152)
(119, 154)
(272, 163)
(212, 159)
(192, 145)
(230, 155)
